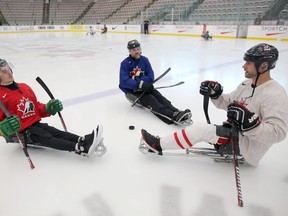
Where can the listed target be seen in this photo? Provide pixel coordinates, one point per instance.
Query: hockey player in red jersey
(26, 114)
(104, 29)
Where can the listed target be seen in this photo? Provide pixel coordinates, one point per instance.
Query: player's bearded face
(136, 52)
(250, 69)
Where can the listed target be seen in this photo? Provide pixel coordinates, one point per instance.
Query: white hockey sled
(220, 153)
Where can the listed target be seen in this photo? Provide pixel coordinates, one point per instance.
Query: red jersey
(23, 103)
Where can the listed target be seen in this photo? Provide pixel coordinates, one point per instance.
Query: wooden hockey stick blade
(158, 78)
(21, 141)
(44, 86)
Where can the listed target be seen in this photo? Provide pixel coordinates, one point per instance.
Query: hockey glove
(215, 89)
(243, 118)
(9, 125)
(54, 106)
(145, 86)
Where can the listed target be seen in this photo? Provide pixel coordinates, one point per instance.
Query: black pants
(158, 103)
(146, 31)
(51, 137)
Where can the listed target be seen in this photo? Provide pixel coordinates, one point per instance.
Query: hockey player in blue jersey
(137, 76)
(206, 36)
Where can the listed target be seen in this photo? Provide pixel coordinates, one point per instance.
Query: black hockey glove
(215, 88)
(145, 86)
(243, 118)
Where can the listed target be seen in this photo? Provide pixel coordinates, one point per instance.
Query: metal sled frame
(100, 150)
(194, 152)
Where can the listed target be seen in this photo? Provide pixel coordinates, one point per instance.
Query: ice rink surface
(83, 72)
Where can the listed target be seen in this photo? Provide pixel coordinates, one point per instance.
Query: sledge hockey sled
(132, 98)
(100, 150)
(220, 153)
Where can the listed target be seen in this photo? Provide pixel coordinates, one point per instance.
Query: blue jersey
(132, 71)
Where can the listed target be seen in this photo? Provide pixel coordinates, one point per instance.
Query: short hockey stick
(21, 140)
(169, 86)
(40, 81)
(158, 78)
(234, 134)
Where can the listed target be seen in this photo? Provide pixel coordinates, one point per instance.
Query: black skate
(150, 143)
(89, 146)
(183, 117)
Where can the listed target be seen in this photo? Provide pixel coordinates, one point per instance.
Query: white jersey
(270, 102)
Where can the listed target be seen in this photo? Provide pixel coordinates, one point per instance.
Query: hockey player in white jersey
(91, 31)
(258, 107)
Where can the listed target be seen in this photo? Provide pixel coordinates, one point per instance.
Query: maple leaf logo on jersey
(26, 106)
(242, 102)
(136, 72)
(266, 47)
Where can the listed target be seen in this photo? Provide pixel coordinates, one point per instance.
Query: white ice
(83, 72)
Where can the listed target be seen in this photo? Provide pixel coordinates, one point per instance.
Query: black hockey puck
(131, 127)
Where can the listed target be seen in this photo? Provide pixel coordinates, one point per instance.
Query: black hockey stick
(40, 81)
(205, 105)
(21, 140)
(169, 86)
(235, 138)
(158, 78)
(234, 134)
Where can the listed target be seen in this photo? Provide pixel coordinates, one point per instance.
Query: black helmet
(262, 53)
(133, 44)
(3, 63)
